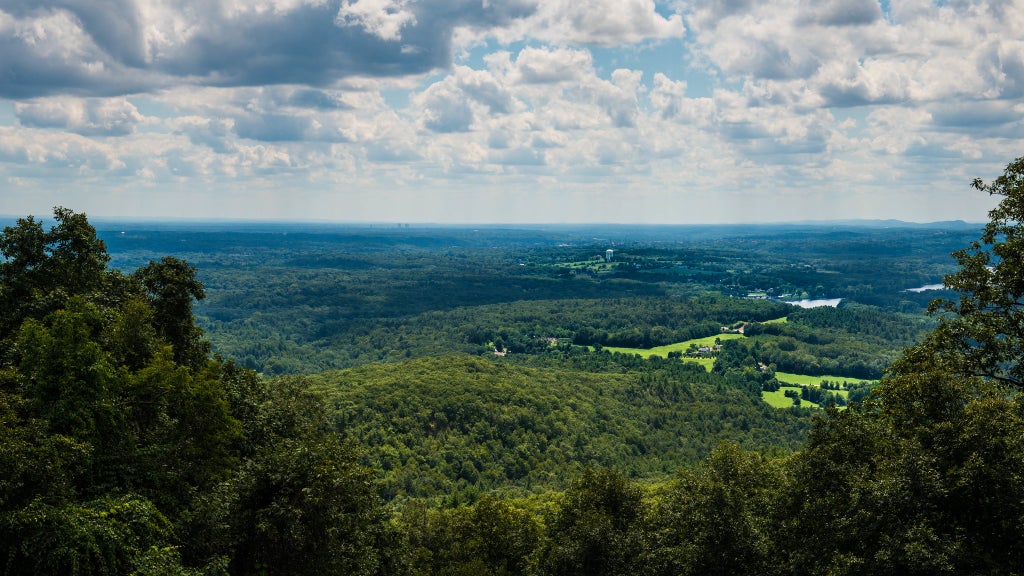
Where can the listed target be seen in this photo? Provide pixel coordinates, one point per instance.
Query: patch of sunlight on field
(804, 380)
(707, 363)
(678, 346)
(778, 399)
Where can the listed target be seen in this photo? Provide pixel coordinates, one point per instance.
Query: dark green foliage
(171, 286)
(821, 396)
(40, 270)
(125, 449)
(489, 538)
(597, 529)
(109, 535)
(303, 506)
(924, 478)
(717, 517)
(984, 330)
(452, 427)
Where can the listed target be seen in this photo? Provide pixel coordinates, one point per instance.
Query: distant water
(833, 302)
(927, 287)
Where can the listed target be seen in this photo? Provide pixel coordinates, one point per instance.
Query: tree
(125, 449)
(983, 330)
(926, 475)
(303, 503)
(110, 535)
(717, 517)
(491, 538)
(598, 529)
(171, 285)
(40, 270)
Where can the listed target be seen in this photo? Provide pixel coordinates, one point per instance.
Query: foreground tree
(598, 528)
(125, 449)
(983, 331)
(40, 269)
(927, 475)
(716, 518)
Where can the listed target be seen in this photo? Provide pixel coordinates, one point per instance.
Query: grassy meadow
(677, 346)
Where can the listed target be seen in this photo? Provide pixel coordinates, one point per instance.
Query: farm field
(778, 399)
(805, 380)
(678, 347)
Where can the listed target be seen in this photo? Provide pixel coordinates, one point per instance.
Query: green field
(804, 380)
(775, 399)
(778, 399)
(706, 362)
(680, 346)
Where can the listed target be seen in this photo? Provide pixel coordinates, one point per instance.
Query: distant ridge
(954, 224)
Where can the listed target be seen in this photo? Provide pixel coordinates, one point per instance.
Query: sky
(517, 111)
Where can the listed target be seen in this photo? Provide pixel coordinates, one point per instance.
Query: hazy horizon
(100, 221)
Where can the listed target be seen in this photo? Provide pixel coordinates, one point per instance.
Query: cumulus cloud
(274, 127)
(602, 22)
(843, 12)
(382, 18)
(445, 108)
(124, 46)
(564, 89)
(544, 66)
(87, 117)
(848, 54)
(49, 51)
(57, 151)
(213, 133)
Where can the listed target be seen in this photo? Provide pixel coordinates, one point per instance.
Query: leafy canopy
(983, 330)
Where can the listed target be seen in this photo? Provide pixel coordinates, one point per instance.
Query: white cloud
(606, 23)
(87, 117)
(71, 154)
(602, 22)
(444, 107)
(551, 66)
(846, 52)
(382, 18)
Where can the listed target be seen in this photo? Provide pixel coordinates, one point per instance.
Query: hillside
(454, 426)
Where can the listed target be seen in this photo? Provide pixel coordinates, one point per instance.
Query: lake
(927, 287)
(833, 302)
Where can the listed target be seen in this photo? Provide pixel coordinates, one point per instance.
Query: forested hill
(457, 426)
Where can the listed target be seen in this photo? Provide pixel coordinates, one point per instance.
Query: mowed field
(677, 346)
(804, 380)
(776, 399)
